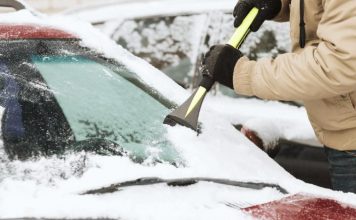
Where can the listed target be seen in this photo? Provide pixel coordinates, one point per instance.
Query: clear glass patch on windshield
(101, 103)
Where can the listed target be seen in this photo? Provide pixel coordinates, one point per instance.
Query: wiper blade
(183, 182)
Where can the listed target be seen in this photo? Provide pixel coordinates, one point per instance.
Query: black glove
(219, 64)
(268, 9)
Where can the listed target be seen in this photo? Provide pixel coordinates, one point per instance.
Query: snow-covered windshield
(102, 102)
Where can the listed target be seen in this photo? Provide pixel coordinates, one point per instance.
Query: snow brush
(188, 113)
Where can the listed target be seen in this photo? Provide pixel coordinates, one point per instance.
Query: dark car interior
(32, 122)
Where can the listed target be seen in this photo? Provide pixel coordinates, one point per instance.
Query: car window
(31, 121)
(169, 43)
(101, 102)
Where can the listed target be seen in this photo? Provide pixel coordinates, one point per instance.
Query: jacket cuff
(242, 76)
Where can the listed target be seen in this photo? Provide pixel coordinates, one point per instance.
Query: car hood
(51, 187)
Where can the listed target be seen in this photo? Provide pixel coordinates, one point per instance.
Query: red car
(72, 116)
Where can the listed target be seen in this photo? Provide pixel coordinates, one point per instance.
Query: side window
(32, 122)
(168, 43)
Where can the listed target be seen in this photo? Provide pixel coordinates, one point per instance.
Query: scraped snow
(50, 187)
(272, 120)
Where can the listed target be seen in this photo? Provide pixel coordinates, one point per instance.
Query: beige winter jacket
(323, 74)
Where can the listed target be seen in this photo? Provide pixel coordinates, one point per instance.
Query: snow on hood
(49, 187)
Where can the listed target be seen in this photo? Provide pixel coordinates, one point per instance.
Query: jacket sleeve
(283, 15)
(320, 71)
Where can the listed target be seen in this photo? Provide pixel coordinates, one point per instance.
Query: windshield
(100, 102)
(83, 102)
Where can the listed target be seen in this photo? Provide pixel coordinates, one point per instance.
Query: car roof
(134, 9)
(10, 29)
(32, 31)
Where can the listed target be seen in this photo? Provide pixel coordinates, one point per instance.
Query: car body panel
(300, 207)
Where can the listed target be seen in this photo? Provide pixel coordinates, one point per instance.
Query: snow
(271, 120)
(50, 187)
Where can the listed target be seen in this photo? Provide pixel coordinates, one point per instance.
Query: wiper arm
(183, 182)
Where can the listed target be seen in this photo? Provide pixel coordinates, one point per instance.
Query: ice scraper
(188, 113)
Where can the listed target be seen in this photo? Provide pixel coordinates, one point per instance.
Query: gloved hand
(268, 9)
(219, 64)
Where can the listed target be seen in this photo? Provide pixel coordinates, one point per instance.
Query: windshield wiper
(183, 182)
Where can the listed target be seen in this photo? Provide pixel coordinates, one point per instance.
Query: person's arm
(319, 71)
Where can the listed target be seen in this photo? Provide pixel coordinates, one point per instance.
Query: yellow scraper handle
(235, 41)
(243, 30)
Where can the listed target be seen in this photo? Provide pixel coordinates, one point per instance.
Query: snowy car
(82, 133)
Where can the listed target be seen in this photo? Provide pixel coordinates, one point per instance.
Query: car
(173, 36)
(83, 138)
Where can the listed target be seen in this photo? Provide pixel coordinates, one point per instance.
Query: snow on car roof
(17, 31)
(49, 187)
(134, 9)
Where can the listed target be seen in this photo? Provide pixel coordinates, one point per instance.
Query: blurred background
(54, 6)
